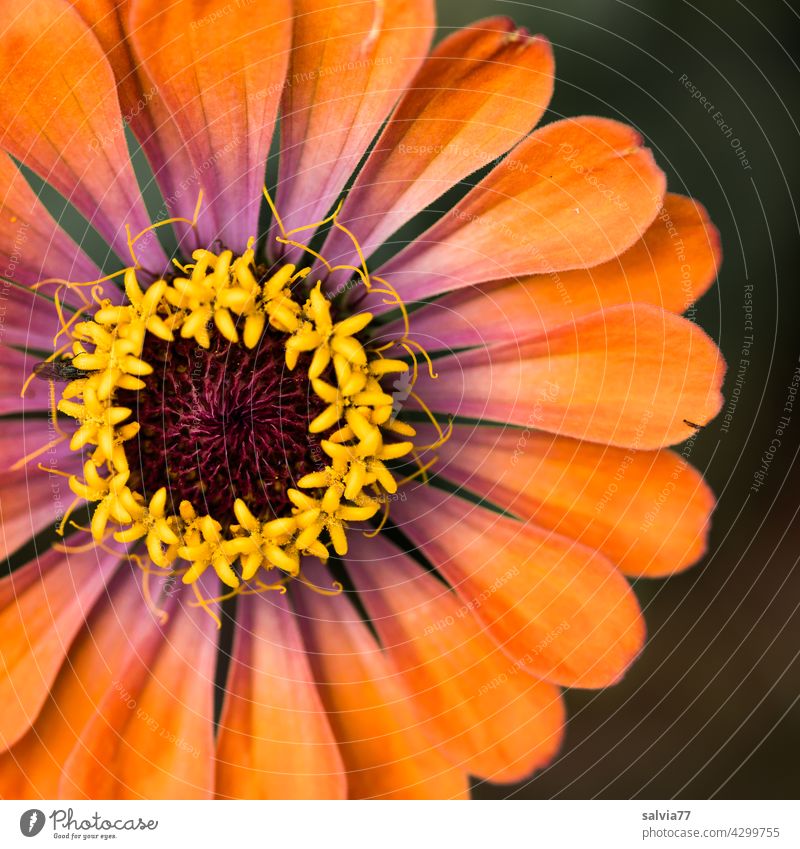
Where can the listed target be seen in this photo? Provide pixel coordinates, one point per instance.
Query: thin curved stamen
(153, 227)
(428, 413)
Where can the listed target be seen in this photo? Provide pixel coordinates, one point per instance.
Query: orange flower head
(292, 510)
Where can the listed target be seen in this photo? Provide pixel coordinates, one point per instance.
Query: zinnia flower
(311, 541)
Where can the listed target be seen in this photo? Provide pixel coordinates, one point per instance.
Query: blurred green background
(711, 708)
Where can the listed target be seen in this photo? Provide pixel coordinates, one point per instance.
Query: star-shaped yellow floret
(156, 527)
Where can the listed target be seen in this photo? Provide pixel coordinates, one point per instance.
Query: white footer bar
(405, 825)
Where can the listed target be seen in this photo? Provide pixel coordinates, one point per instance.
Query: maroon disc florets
(222, 424)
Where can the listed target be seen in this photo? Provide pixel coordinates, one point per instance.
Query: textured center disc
(222, 424)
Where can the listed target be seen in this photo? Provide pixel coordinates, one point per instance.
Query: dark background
(711, 707)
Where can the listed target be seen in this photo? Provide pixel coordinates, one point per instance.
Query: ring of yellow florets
(223, 291)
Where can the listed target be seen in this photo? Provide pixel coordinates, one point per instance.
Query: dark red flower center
(221, 424)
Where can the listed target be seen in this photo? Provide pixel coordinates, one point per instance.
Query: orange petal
(350, 62)
(31, 320)
(32, 248)
(151, 736)
(45, 497)
(142, 106)
(42, 607)
(647, 511)
(671, 266)
(219, 70)
(19, 437)
(481, 91)
(20, 523)
(117, 630)
(15, 367)
(560, 610)
(574, 194)
(60, 116)
(631, 376)
(491, 720)
(385, 753)
(274, 740)
(32, 245)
